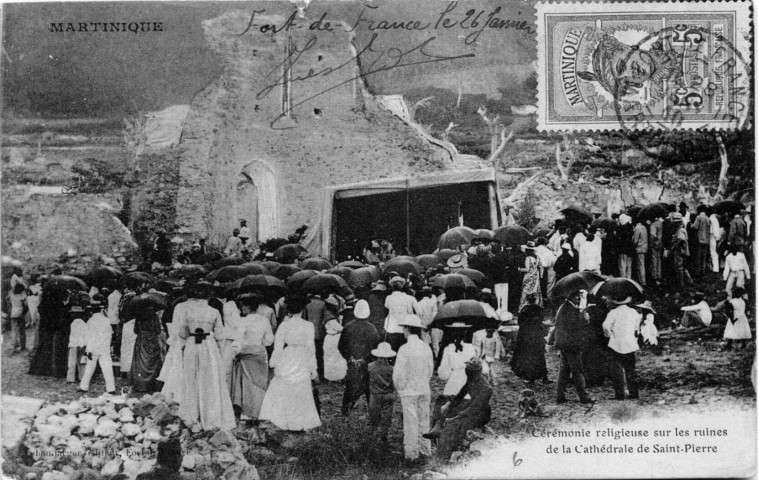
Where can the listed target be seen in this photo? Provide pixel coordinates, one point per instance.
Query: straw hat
(456, 261)
(458, 325)
(411, 320)
(646, 305)
(384, 350)
(379, 286)
(397, 280)
(620, 302)
(361, 310)
(332, 301)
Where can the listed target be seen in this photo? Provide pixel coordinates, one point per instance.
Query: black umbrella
(617, 288)
(143, 302)
(343, 272)
(296, 280)
(573, 282)
(402, 265)
(227, 274)
(289, 253)
(66, 282)
(634, 211)
(283, 271)
(226, 262)
(351, 264)
(513, 235)
(209, 258)
(315, 263)
(255, 268)
(190, 271)
(363, 277)
(257, 282)
(605, 223)
(484, 234)
(727, 207)
(327, 283)
(166, 285)
(429, 260)
(651, 212)
(135, 279)
(104, 276)
(446, 253)
(454, 280)
(469, 312)
(476, 276)
(271, 265)
(455, 237)
(576, 213)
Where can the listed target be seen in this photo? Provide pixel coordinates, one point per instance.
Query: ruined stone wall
(332, 139)
(39, 228)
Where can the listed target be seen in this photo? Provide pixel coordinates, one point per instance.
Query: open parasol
(513, 235)
(470, 312)
(573, 282)
(142, 302)
(453, 280)
(66, 282)
(343, 272)
(226, 262)
(445, 253)
(652, 211)
(289, 253)
(402, 265)
(104, 276)
(576, 213)
(138, 278)
(479, 278)
(429, 260)
(605, 223)
(455, 237)
(255, 268)
(315, 263)
(617, 287)
(297, 279)
(727, 207)
(351, 264)
(190, 271)
(257, 282)
(283, 271)
(327, 283)
(363, 277)
(227, 274)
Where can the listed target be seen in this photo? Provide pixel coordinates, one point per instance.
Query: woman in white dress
(249, 377)
(737, 327)
(335, 365)
(289, 402)
(171, 372)
(453, 365)
(205, 397)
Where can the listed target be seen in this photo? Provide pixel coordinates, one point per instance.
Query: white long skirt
(205, 398)
(335, 366)
(738, 330)
(128, 339)
(289, 403)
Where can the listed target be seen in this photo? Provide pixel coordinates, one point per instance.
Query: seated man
(698, 314)
(462, 415)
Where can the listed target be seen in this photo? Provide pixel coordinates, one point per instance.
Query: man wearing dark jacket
(571, 332)
(357, 340)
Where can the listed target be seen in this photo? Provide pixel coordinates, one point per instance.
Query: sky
(91, 74)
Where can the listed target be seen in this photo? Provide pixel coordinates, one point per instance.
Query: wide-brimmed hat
(383, 350)
(361, 310)
(620, 302)
(646, 305)
(455, 261)
(676, 217)
(530, 245)
(426, 289)
(379, 286)
(76, 309)
(397, 279)
(332, 301)
(474, 365)
(411, 320)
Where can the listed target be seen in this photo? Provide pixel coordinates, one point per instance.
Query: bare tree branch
(564, 168)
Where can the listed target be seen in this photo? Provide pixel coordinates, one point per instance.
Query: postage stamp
(638, 66)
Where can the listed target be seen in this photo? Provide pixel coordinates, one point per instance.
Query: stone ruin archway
(257, 200)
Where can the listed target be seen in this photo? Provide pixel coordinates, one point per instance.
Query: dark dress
(149, 352)
(528, 361)
(596, 354)
(51, 356)
(566, 264)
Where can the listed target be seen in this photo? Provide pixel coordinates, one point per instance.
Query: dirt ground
(692, 369)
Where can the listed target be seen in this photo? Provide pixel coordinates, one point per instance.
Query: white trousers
(73, 365)
(415, 423)
(106, 365)
(501, 292)
(714, 255)
(735, 279)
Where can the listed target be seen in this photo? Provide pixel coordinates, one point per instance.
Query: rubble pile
(115, 434)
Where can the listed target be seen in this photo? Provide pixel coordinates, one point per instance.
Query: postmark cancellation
(638, 66)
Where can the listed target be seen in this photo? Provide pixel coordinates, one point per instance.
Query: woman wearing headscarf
(289, 402)
(531, 270)
(249, 379)
(205, 397)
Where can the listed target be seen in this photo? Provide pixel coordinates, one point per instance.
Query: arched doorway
(247, 203)
(257, 200)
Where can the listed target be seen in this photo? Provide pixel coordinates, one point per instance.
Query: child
(17, 299)
(490, 351)
(737, 327)
(382, 390)
(648, 330)
(77, 340)
(98, 346)
(736, 269)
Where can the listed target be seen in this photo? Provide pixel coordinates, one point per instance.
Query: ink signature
(388, 59)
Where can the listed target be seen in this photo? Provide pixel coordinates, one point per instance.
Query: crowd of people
(227, 353)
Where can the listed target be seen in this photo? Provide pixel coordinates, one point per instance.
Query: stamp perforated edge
(743, 48)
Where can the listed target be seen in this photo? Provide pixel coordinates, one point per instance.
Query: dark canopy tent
(410, 212)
